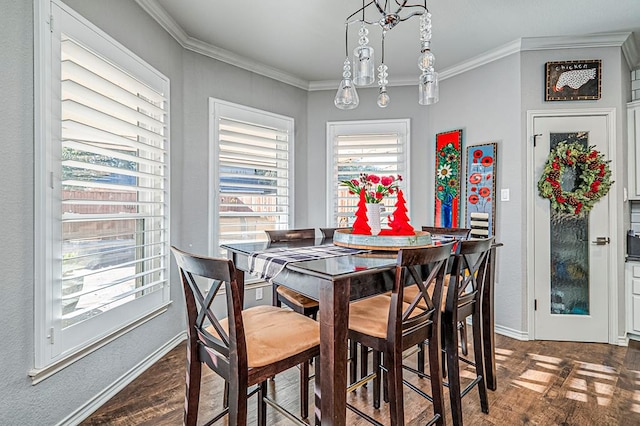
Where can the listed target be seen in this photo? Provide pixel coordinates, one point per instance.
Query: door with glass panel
(571, 253)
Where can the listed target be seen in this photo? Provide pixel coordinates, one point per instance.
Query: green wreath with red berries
(592, 178)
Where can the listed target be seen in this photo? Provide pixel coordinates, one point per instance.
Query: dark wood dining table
(333, 282)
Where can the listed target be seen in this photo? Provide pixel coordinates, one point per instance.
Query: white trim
(51, 18)
(42, 135)
(84, 411)
(485, 58)
(400, 125)
(610, 114)
(266, 118)
(616, 39)
(624, 40)
(462, 67)
(39, 374)
(512, 333)
(157, 12)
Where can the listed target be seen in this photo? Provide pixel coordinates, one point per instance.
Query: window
(104, 196)
(252, 169)
(375, 147)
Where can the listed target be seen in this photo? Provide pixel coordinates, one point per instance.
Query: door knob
(601, 241)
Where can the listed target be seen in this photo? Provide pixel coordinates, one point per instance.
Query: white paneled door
(571, 253)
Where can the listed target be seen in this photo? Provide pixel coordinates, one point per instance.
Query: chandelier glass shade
(386, 15)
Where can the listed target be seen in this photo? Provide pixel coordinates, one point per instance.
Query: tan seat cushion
(370, 316)
(273, 334)
(296, 298)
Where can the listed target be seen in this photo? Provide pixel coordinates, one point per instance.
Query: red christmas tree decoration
(361, 224)
(400, 222)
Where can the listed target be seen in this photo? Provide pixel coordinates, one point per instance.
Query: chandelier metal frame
(388, 15)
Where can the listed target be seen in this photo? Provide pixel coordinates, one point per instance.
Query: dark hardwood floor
(539, 383)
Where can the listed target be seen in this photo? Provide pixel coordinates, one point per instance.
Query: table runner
(269, 263)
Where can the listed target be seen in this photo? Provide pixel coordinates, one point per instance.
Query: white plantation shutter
(109, 199)
(372, 147)
(253, 164)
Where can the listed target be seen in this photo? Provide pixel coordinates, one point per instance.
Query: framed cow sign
(573, 80)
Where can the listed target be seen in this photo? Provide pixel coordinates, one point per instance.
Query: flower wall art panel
(448, 185)
(481, 189)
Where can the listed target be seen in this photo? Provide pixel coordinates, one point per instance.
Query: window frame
(219, 108)
(402, 127)
(52, 18)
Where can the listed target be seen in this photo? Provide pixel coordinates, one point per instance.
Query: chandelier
(388, 14)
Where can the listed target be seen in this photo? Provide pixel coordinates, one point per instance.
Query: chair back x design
(245, 348)
(464, 299)
(389, 324)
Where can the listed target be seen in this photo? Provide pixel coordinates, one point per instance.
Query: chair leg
(275, 301)
(353, 364)
(238, 402)
(364, 362)
(453, 367)
(478, 359)
(192, 397)
(435, 370)
(262, 405)
(443, 360)
(377, 379)
(304, 390)
(393, 364)
(462, 326)
(421, 357)
(385, 381)
(225, 396)
(316, 392)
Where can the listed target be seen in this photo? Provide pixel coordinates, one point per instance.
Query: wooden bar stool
(294, 300)
(389, 325)
(463, 300)
(245, 348)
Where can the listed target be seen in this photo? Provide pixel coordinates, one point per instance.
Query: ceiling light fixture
(363, 55)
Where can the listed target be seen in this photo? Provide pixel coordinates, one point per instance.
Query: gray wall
(615, 93)
(404, 104)
(485, 103)
(205, 78)
(50, 401)
(489, 103)
(193, 80)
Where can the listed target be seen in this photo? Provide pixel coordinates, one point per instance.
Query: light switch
(504, 194)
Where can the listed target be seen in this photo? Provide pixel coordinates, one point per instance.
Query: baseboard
(623, 341)
(506, 331)
(510, 332)
(100, 399)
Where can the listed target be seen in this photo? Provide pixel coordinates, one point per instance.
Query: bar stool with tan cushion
(389, 325)
(463, 300)
(245, 348)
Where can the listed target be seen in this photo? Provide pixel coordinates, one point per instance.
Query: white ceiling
(303, 40)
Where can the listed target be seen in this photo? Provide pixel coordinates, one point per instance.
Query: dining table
(333, 282)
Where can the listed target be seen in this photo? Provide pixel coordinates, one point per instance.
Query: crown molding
(234, 59)
(575, 42)
(631, 52)
(624, 40)
(475, 62)
(161, 16)
(482, 59)
(165, 20)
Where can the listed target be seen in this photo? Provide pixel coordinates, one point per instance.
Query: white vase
(373, 217)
